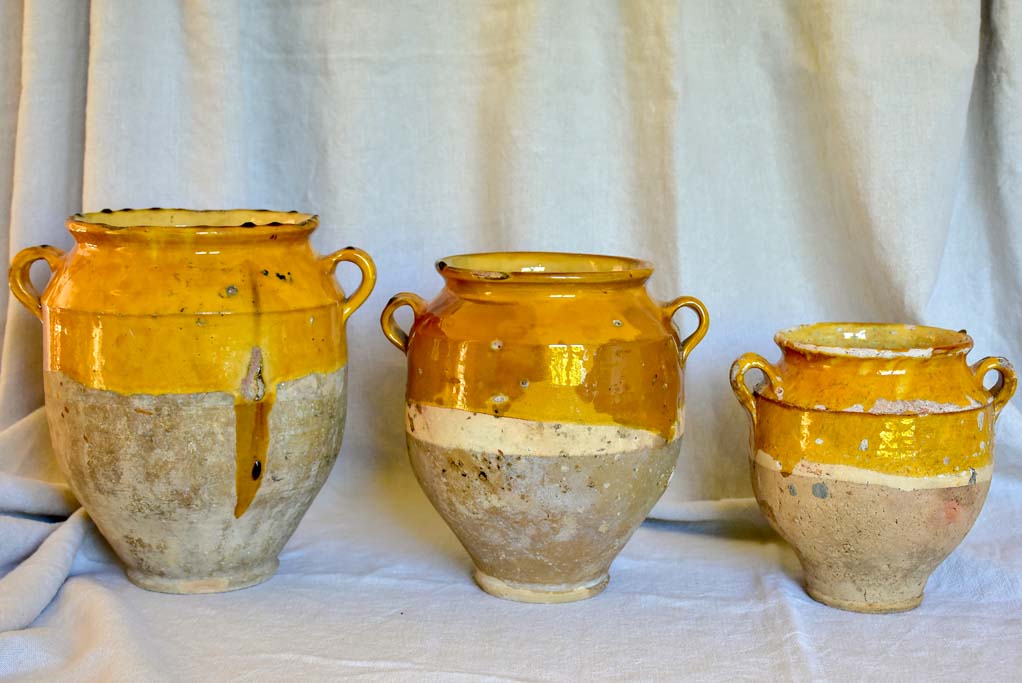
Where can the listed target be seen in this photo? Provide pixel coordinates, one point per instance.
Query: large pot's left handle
(19, 278)
(391, 330)
(1007, 381)
(689, 342)
(365, 288)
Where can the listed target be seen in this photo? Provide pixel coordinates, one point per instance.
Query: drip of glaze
(252, 426)
(252, 407)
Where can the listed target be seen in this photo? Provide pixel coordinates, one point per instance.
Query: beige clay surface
(157, 475)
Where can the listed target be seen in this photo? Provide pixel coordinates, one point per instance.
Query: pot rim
(532, 267)
(192, 221)
(889, 340)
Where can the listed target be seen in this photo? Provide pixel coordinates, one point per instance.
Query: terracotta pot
(872, 453)
(544, 412)
(195, 369)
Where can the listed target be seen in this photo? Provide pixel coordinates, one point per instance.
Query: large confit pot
(195, 366)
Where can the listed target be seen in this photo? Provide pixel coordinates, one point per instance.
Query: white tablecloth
(374, 586)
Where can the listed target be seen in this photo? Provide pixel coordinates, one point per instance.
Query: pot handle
(391, 329)
(1006, 384)
(689, 342)
(740, 367)
(20, 281)
(365, 288)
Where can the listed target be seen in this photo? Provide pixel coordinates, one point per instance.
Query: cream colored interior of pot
(549, 263)
(186, 218)
(872, 338)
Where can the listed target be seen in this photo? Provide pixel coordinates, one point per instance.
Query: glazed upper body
(548, 337)
(173, 301)
(897, 400)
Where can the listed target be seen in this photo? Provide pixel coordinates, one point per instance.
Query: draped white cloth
(786, 162)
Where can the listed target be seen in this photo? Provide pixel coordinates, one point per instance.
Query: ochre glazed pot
(872, 453)
(195, 383)
(544, 412)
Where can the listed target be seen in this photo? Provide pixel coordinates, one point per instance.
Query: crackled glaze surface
(872, 453)
(545, 412)
(188, 305)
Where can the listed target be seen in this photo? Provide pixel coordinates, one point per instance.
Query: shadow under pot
(195, 366)
(872, 453)
(544, 412)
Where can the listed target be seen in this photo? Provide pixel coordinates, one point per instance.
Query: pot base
(213, 584)
(875, 607)
(537, 592)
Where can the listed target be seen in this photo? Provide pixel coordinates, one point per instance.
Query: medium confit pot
(872, 453)
(544, 412)
(195, 366)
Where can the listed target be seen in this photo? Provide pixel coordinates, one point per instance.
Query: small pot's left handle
(19, 278)
(692, 340)
(391, 330)
(1006, 384)
(365, 288)
(752, 361)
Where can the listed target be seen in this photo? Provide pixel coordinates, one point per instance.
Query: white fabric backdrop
(786, 162)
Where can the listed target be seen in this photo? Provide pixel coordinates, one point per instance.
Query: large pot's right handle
(365, 263)
(391, 329)
(740, 367)
(1006, 384)
(18, 277)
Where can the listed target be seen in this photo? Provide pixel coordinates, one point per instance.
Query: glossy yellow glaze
(548, 337)
(252, 439)
(906, 445)
(894, 363)
(895, 399)
(170, 301)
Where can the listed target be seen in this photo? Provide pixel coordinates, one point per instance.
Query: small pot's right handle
(689, 342)
(21, 283)
(740, 367)
(391, 329)
(1006, 384)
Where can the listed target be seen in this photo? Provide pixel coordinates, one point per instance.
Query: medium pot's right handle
(391, 329)
(19, 279)
(740, 367)
(1006, 384)
(689, 342)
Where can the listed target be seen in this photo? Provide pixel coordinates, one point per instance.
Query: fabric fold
(29, 587)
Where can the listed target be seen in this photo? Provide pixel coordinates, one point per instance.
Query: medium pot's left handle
(1007, 381)
(19, 278)
(365, 288)
(689, 342)
(391, 330)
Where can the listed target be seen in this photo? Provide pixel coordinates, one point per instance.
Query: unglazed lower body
(868, 542)
(157, 474)
(542, 508)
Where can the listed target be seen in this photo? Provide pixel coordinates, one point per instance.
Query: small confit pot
(195, 366)
(544, 412)
(872, 453)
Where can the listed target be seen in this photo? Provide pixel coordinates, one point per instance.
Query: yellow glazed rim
(873, 340)
(543, 266)
(255, 222)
